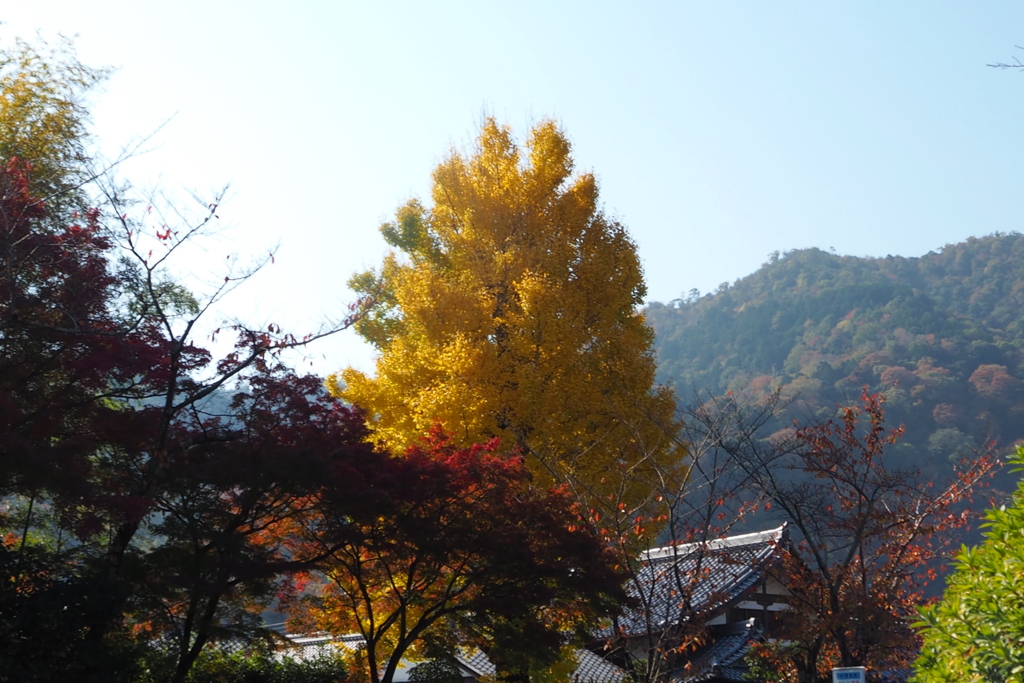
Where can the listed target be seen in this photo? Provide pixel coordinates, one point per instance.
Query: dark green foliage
(45, 624)
(941, 336)
(261, 665)
(441, 670)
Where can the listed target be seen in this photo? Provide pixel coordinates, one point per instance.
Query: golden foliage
(44, 114)
(510, 309)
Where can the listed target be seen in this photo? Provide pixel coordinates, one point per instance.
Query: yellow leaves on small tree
(510, 308)
(44, 114)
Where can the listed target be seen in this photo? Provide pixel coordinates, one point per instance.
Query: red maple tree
(132, 479)
(866, 537)
(463, 547)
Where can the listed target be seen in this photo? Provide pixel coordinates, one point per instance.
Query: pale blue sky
(720, 131)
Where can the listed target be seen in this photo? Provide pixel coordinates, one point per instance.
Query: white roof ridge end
(768, 535)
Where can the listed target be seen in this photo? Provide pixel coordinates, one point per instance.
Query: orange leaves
(865, 538)
(461, 536)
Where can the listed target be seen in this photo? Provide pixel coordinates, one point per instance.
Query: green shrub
(254, 664)
(976, 632)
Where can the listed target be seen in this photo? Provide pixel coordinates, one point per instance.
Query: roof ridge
(756, 537)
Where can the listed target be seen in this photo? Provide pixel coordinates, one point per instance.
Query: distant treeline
(941, 336)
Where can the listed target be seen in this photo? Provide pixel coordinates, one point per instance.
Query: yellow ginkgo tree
(510, 308)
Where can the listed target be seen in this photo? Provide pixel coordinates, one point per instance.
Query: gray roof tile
(676, 583)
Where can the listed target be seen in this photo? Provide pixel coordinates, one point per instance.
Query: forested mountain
(941, 336)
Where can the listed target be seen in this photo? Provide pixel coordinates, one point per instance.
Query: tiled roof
(722, 659)
(476, 661)
(676, 582)
(590, 668)
(310, 647)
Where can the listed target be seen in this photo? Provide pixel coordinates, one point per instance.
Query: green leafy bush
(976, 632)
(263, 665)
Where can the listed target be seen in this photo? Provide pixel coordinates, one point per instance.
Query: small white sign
(850, 674)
